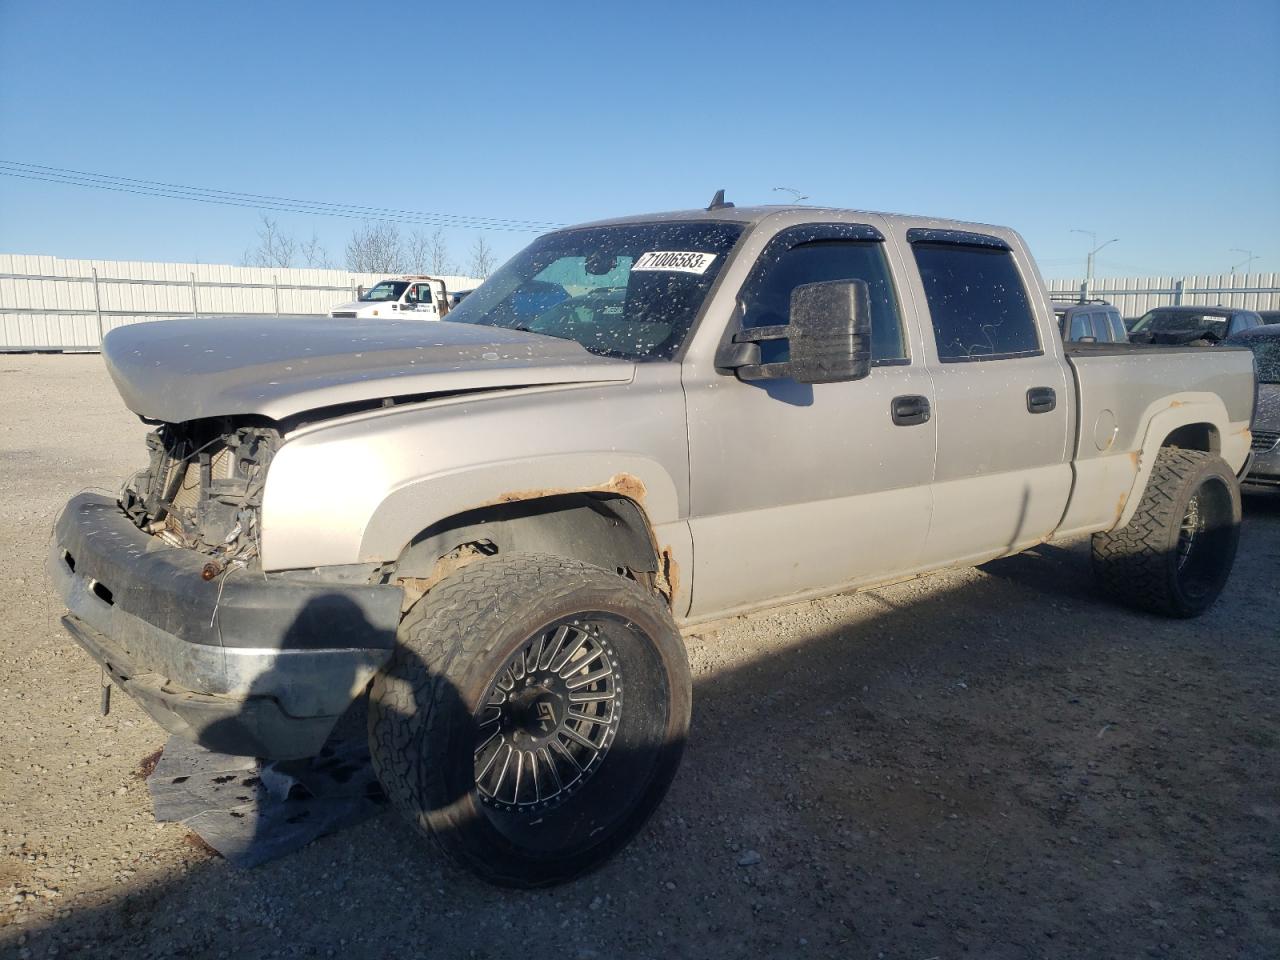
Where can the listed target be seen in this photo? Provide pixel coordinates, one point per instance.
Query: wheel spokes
(547, 719)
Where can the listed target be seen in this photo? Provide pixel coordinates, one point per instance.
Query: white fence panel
(1134, 296)
(47, 303)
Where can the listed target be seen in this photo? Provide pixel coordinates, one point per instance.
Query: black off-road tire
(1151, 563)
(428, 705)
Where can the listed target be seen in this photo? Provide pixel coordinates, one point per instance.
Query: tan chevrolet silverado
(498, 525)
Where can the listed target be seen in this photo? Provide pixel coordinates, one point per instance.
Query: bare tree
(481, 258)
(438, 261)
(275, 247)
(415, 252)
(376, 248)
(429, 253)
(315, 255)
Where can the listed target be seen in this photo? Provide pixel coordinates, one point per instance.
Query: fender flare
(1162, 419)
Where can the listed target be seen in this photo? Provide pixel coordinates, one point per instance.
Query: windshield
(1266, 355)
(386, 290)
(628, 291)
(1181, 321)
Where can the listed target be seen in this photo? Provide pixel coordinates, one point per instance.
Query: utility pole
(1246, 262)
(1088, 263)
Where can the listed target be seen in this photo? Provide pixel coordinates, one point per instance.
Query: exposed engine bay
(202, 488)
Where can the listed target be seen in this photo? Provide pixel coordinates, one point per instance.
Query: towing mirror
(829, 336)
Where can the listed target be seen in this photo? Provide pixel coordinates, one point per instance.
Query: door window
(767, 297)
(977, 302)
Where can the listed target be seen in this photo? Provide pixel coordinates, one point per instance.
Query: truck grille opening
(203, 486)
(1264, 440)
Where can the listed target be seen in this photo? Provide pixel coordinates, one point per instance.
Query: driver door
(800, 488)
(418, 298)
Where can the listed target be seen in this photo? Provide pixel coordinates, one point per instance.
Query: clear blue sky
(1158, 123)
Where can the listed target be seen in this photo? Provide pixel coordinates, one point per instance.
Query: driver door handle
(910, 410)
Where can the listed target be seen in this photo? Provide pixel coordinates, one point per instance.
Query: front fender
(358, 490)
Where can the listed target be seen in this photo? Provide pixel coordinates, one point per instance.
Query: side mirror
(829, 336)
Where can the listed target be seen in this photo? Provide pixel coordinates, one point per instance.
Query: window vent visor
(961, 238)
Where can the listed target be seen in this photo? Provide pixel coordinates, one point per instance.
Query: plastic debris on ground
(252, 811)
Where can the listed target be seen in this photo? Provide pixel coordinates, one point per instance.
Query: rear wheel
(1174, 556)
(532, 715)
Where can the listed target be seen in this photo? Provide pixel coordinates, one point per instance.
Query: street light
(1088, 267)
(1248, 259)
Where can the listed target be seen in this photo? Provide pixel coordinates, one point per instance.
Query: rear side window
(1118, 332)
(978, 305)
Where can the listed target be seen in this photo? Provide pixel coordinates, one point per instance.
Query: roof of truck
(755, 214)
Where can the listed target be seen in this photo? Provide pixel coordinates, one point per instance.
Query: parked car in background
(1264, 341)
(1092, 321)
(1192, 325)
(424, 298)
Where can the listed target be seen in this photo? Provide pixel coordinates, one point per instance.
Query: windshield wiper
(523, 328)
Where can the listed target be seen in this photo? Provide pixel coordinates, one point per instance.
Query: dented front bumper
(246, 663)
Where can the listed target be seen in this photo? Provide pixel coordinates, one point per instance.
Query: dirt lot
(992, 763)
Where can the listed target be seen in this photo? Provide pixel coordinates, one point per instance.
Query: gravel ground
(990, 762)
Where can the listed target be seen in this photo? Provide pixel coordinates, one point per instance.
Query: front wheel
(1174, 556)
(532, 716)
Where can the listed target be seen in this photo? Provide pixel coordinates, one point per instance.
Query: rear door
(1003, 398)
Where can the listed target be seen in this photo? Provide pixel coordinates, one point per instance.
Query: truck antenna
(718, 202)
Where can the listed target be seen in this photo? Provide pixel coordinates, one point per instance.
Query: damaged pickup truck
(498, 525)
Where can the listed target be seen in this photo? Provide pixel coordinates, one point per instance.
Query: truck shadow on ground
(998, 762)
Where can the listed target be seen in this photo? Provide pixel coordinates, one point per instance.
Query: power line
(155, 188)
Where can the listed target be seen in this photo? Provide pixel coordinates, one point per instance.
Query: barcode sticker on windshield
(677, 260)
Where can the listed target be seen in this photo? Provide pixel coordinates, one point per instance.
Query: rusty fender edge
(666, 578)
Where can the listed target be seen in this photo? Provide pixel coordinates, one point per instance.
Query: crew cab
(499, 526)
(424, 298)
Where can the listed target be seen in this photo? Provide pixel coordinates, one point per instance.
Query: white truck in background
(423, 297)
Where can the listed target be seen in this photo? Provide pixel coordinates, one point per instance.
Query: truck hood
(179, 370)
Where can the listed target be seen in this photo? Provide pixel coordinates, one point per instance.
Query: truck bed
(1122, 389)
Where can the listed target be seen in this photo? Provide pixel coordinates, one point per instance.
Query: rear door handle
(910, 410)
(1041, 400)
